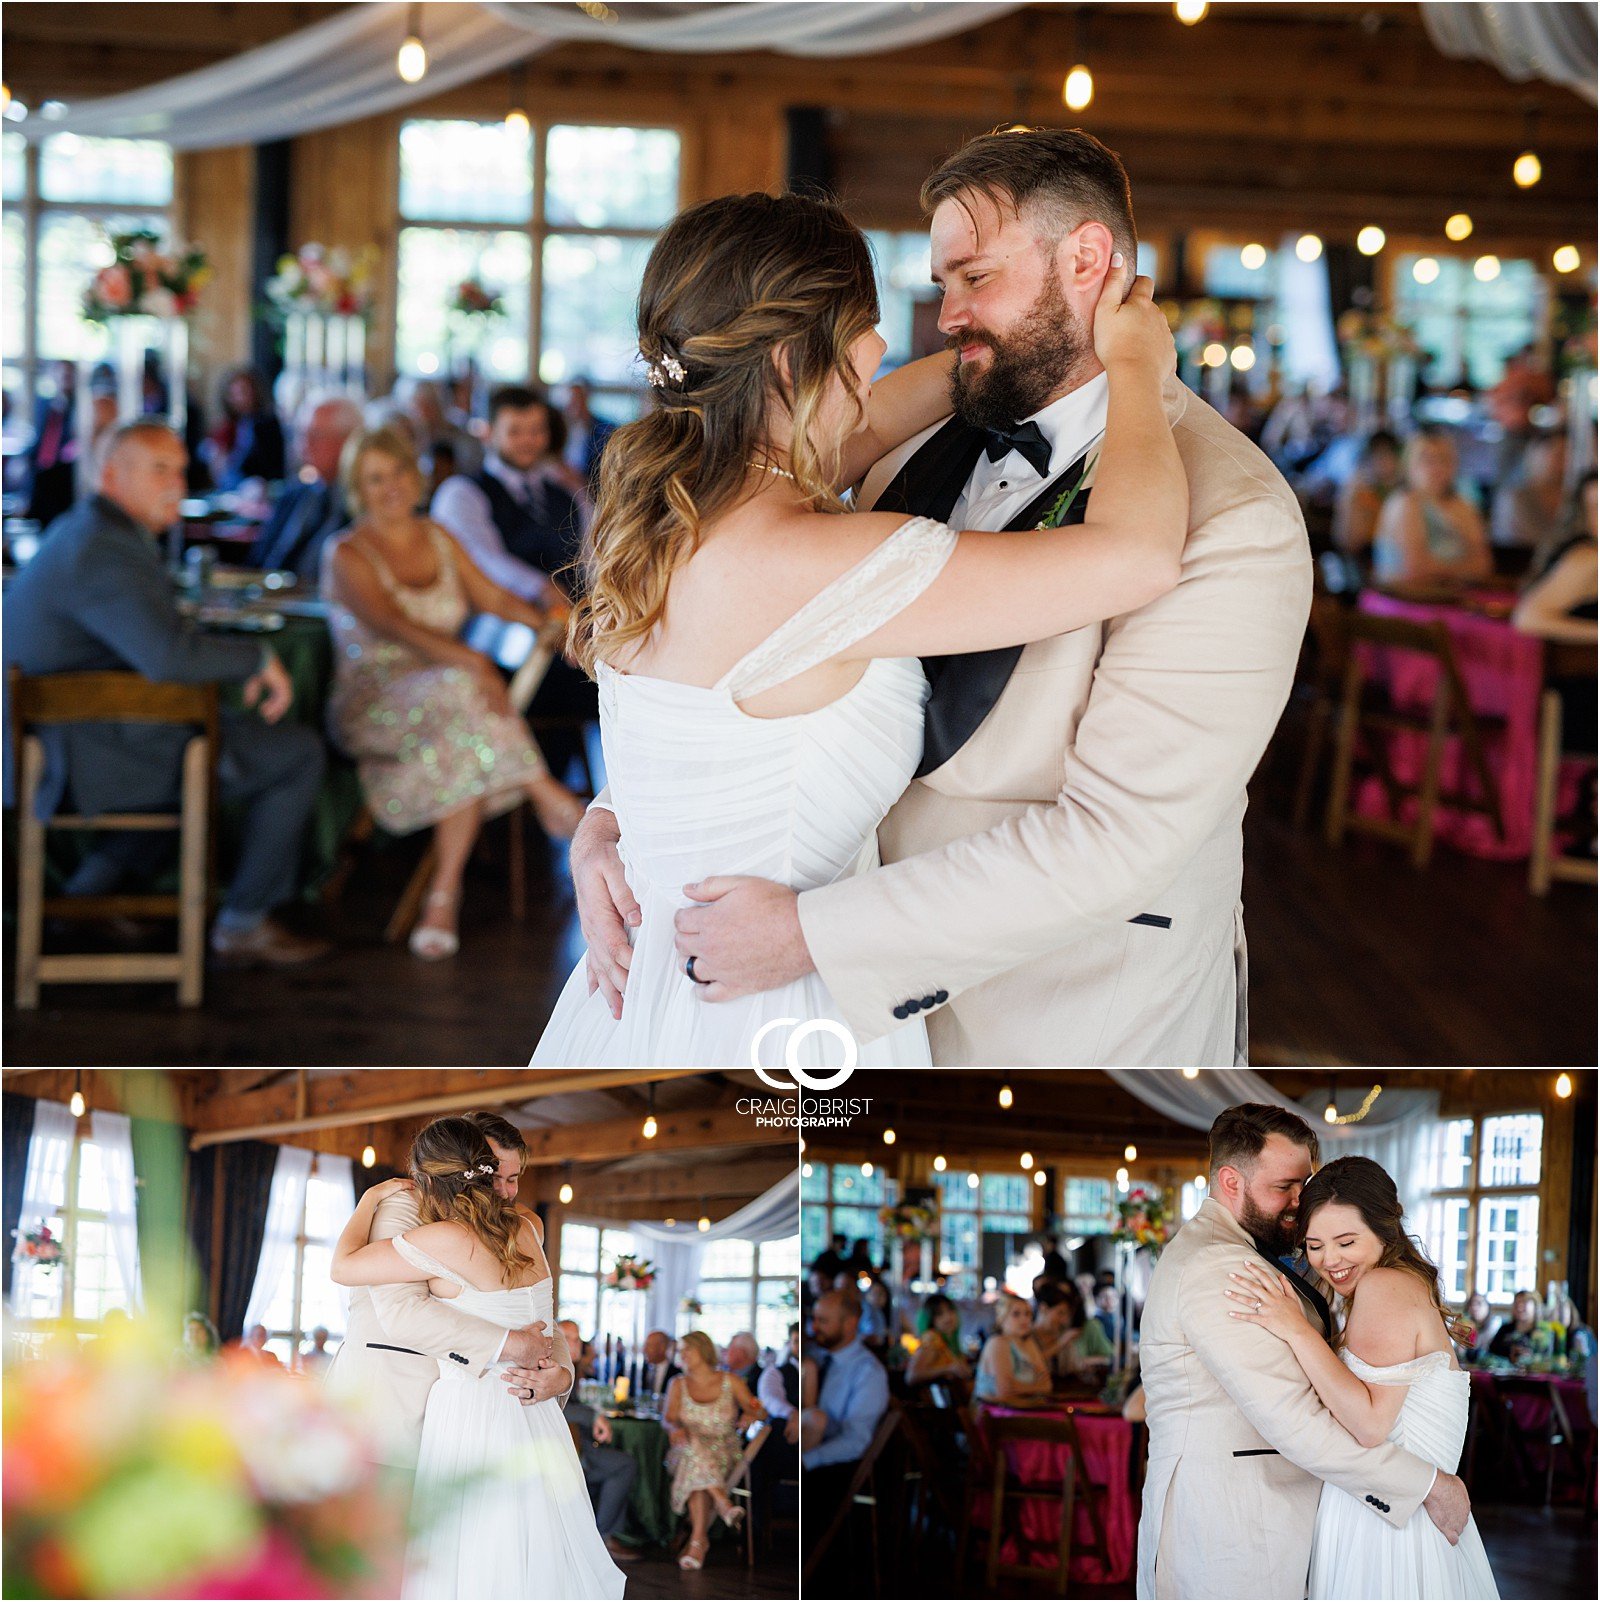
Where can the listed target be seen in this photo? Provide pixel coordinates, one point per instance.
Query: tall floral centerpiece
(474, 309)
(1143, 1222)
(323, 299)
(1380, 362)
(632, 1276)
(909, 1225)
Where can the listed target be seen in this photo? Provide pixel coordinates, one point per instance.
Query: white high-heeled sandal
(432, 944)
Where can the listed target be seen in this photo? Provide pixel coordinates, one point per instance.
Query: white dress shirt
(770, 1393)
(997, 491)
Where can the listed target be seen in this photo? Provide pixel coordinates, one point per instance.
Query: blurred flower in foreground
(126, 1475)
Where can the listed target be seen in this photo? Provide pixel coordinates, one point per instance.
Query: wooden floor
(724, 1575)
(1535, 1553)
(1355, 958)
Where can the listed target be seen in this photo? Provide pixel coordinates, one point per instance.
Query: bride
(500, 1491)
(760, 695)
(1389, 1374)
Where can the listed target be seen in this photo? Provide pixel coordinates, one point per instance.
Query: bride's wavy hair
(454, 1171)
(1363, 1184)
(729, 284)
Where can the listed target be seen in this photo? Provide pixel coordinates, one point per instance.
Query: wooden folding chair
(1546, 863)
(737, 1485)
(861, 1492)
(1325, 635)
(65, 698)
(524, 684)
(1365, 706)
(1006, 1491)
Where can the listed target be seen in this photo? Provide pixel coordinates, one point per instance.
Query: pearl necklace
(767, 467)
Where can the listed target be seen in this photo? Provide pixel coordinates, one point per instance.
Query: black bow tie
(1026, 439)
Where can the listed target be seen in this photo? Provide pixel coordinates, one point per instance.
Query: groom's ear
(1084, 258)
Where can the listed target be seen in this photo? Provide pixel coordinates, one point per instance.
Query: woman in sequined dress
(424, 714)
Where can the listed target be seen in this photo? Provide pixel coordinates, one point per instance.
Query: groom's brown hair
(500, 1130)
(1240, 1133)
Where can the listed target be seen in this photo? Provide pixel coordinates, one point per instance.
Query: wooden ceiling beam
(682, 1130)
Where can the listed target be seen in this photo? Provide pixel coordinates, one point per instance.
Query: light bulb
(1308, 247)
(651, 1127)
(517, 121)
(972, 1181)
(939, 1165)
(867, 1170)
(1038, 1176)
(1425, 269)
(412, 61)
(1563, 1085)
(1078, 90)
(1370, 241)
(1486, 269)
(1122, 1176)
(78, 1104)
(1526, 170)
(1242, 357)
(671, 1223)
(1130, 1151)
(1191, 1073)
(704, 1224)
(565, 1194)
(1027, 1159)
(1330, 1114)
(369, 1157)
(888, 1137)
(1200, 1181)
(1006, 1097)
(1190, 12)
(1253, 257)
(805, 1170)
(1214, 355)
(1566, 259)
(1458, 226)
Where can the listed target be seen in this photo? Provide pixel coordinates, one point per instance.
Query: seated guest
(743, 1358)
(852, 1396)
(705, 1414)
(1108, 1313)
(608, 1472)
(247, 441)
(938, 1355)
(97, 598)
(654, 1370)
(1362, 495)
(312, 507)
(1012, 1368)
(424, 403)
(316, 1357)
(877, 1317)
(1477, 1327)
(1428, 530)
(779, 1457)
(53, 455)
(1519, 1334)
(778, 1390)
(1074, 1345)
(1531, 505)
(1055, 1265)
(586, 436)
(424, 714)
(200, 1339)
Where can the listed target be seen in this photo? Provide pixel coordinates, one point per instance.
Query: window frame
(302, 1240)
(538, 230)
(830, 1168)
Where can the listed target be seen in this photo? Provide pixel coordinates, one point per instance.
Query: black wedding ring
(688, 968)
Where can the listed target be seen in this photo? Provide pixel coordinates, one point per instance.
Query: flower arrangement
(331, 283)
(1375, 336)
(691, 1306)
(909, 1221)
(40, 1248)
(1143, 1219)
(126, 1476)
(474, 298)
(144, 280)
(631, 1274)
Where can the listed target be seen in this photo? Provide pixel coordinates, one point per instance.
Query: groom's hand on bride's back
(1449, 1506)
(606, 907)
(529, 1347)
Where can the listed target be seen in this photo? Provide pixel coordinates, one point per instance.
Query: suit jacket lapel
(932, 479)
(1308, 1291)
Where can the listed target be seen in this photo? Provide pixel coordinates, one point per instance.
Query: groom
(397, 1335)
(1063, 876)
(1239, 1442)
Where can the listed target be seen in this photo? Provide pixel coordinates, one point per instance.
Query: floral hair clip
(473, 1173)
(669, 370)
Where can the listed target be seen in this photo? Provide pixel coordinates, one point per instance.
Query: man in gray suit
(608, 1472)
(97, 598)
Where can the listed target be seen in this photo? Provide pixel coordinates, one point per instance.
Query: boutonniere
(1081, 485)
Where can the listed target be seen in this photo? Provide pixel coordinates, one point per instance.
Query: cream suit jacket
(395, 1338)
(1106, 784)
(1239, 1441)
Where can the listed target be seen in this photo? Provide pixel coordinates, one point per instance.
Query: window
(1466, 325)
(557, 220)
(89, 1283)
(305, 1296)
(1088, 1207)
(1480, 1224)
(841, 1199)
(62, 197)
(1291, 316)
(972, 1206)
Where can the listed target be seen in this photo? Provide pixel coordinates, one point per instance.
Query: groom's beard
(1275, 1236)
(1028, 364)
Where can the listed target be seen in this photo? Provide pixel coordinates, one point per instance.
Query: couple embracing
(962, 772)
(1305, 1407)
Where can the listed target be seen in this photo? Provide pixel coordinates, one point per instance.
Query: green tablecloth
(650, 1518)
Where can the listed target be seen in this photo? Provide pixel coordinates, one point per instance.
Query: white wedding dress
(702, 788)
(1356, 1554)
(501, 1506)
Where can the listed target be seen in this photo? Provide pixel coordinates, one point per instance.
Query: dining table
(1531, 1435)
(644, 1439)
(1108, 1446)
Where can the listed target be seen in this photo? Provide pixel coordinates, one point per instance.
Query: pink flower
(114, 285)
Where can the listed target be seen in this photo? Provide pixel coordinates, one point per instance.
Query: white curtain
(286, 1205)
(1526, 40)
(44, 1188)
(343, 69)
(678, 1251)
(113, 1134)
(1395, 1131)
(340, 1172)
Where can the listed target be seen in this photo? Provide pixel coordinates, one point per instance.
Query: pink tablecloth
(1502, 670)
(1527, 1400)
(1107, 1444)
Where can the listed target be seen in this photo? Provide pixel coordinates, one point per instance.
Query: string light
(1242, 357)
(516, 118)
(888, 1137)
(1130, 1152)
(369, 1156)
(704, 1224)
(805, 1170)
(651, 1127)
(1214, 355)
(1566, 259)
(1360, 1112)
(1253, 257)
(1078, 90)
(1027, 1159)
(939, 1165)
(1526, 170)
(1005, 1096)
(1038, 1177)
(1122, 1179)
(867, 1170)
(1486, 269)
(1200, 1182)
(78, 1106)
(1189, 12)
(972, 1181)
(671, 1223)
(1563, 1085)
(1308, 247)
(1370, 241)
(412, 61)
(1458, 226)
(1425, 269)
(1191, 1073)
(565, 1193)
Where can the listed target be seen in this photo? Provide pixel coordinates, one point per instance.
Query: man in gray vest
(97, 598)
(608, 1472)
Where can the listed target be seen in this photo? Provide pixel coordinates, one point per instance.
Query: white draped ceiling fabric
(1395, 1131)
(1556, 42)
(677, 1250)
(343, 69)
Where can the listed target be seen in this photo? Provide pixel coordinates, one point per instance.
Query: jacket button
(940, 997)
(913, 1006)
(901, 1012)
